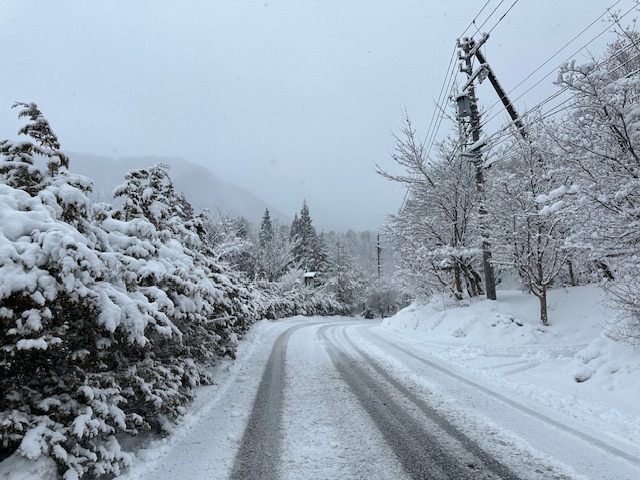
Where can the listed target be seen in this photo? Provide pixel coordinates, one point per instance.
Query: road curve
(424, 442)
(339, 398)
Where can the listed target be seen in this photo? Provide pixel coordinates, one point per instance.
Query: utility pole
(379, 249)
(469, 48)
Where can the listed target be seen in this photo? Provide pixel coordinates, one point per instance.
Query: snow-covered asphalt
(324, 398)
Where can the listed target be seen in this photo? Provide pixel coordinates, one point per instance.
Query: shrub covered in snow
(289, 296)
(109, 316)
(383, 299)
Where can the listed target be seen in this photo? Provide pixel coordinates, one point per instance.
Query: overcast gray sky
(289, 99)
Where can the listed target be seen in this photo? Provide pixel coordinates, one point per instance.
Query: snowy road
(341, 398)
(427, 445)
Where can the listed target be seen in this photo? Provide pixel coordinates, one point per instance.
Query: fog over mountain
(199, 185)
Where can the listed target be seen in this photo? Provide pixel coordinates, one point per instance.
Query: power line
(574, 54)
(555, 54)
(441, 96)
(475, 18)
(504, 133)
(497, 138)
(491, 14)
(564, 89)
(436, 116)
(441, 108)
(563, 47)
(549, 59)
(503, 15)
(434, 123)
(434, 126)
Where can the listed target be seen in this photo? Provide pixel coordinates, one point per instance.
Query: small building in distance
(310, 278)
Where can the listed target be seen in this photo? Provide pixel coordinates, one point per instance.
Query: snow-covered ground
(563, 397)
(570, 366)
(570, 372)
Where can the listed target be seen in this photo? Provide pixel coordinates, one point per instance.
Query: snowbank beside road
(150, 451)
(576, 316)
(570, 366)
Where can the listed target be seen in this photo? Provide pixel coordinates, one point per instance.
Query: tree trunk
(572, 278)
(472, 280)
(542, 297)
(457, 281)
(542, 285)
(604, 268)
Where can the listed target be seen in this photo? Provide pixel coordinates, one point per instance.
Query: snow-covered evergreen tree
(17, 169)
(109, 316)
(344, 279)
(273, 255)
(309, 249)
(265, 235)
(66, 319)
(200, 290)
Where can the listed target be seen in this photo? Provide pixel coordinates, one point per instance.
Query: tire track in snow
(428, 446)
(260, 449)
(326, 433)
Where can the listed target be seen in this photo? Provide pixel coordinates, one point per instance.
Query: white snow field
(484, 384)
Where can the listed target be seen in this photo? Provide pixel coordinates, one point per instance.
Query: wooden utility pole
(379, 249)
(468, 49)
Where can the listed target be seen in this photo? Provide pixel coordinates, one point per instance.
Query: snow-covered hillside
(200, 186)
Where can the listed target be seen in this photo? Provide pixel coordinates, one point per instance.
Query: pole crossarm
(478, 73)
(472, 46)
(471, 49)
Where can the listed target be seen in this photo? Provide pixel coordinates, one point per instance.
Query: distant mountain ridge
(199, 185)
